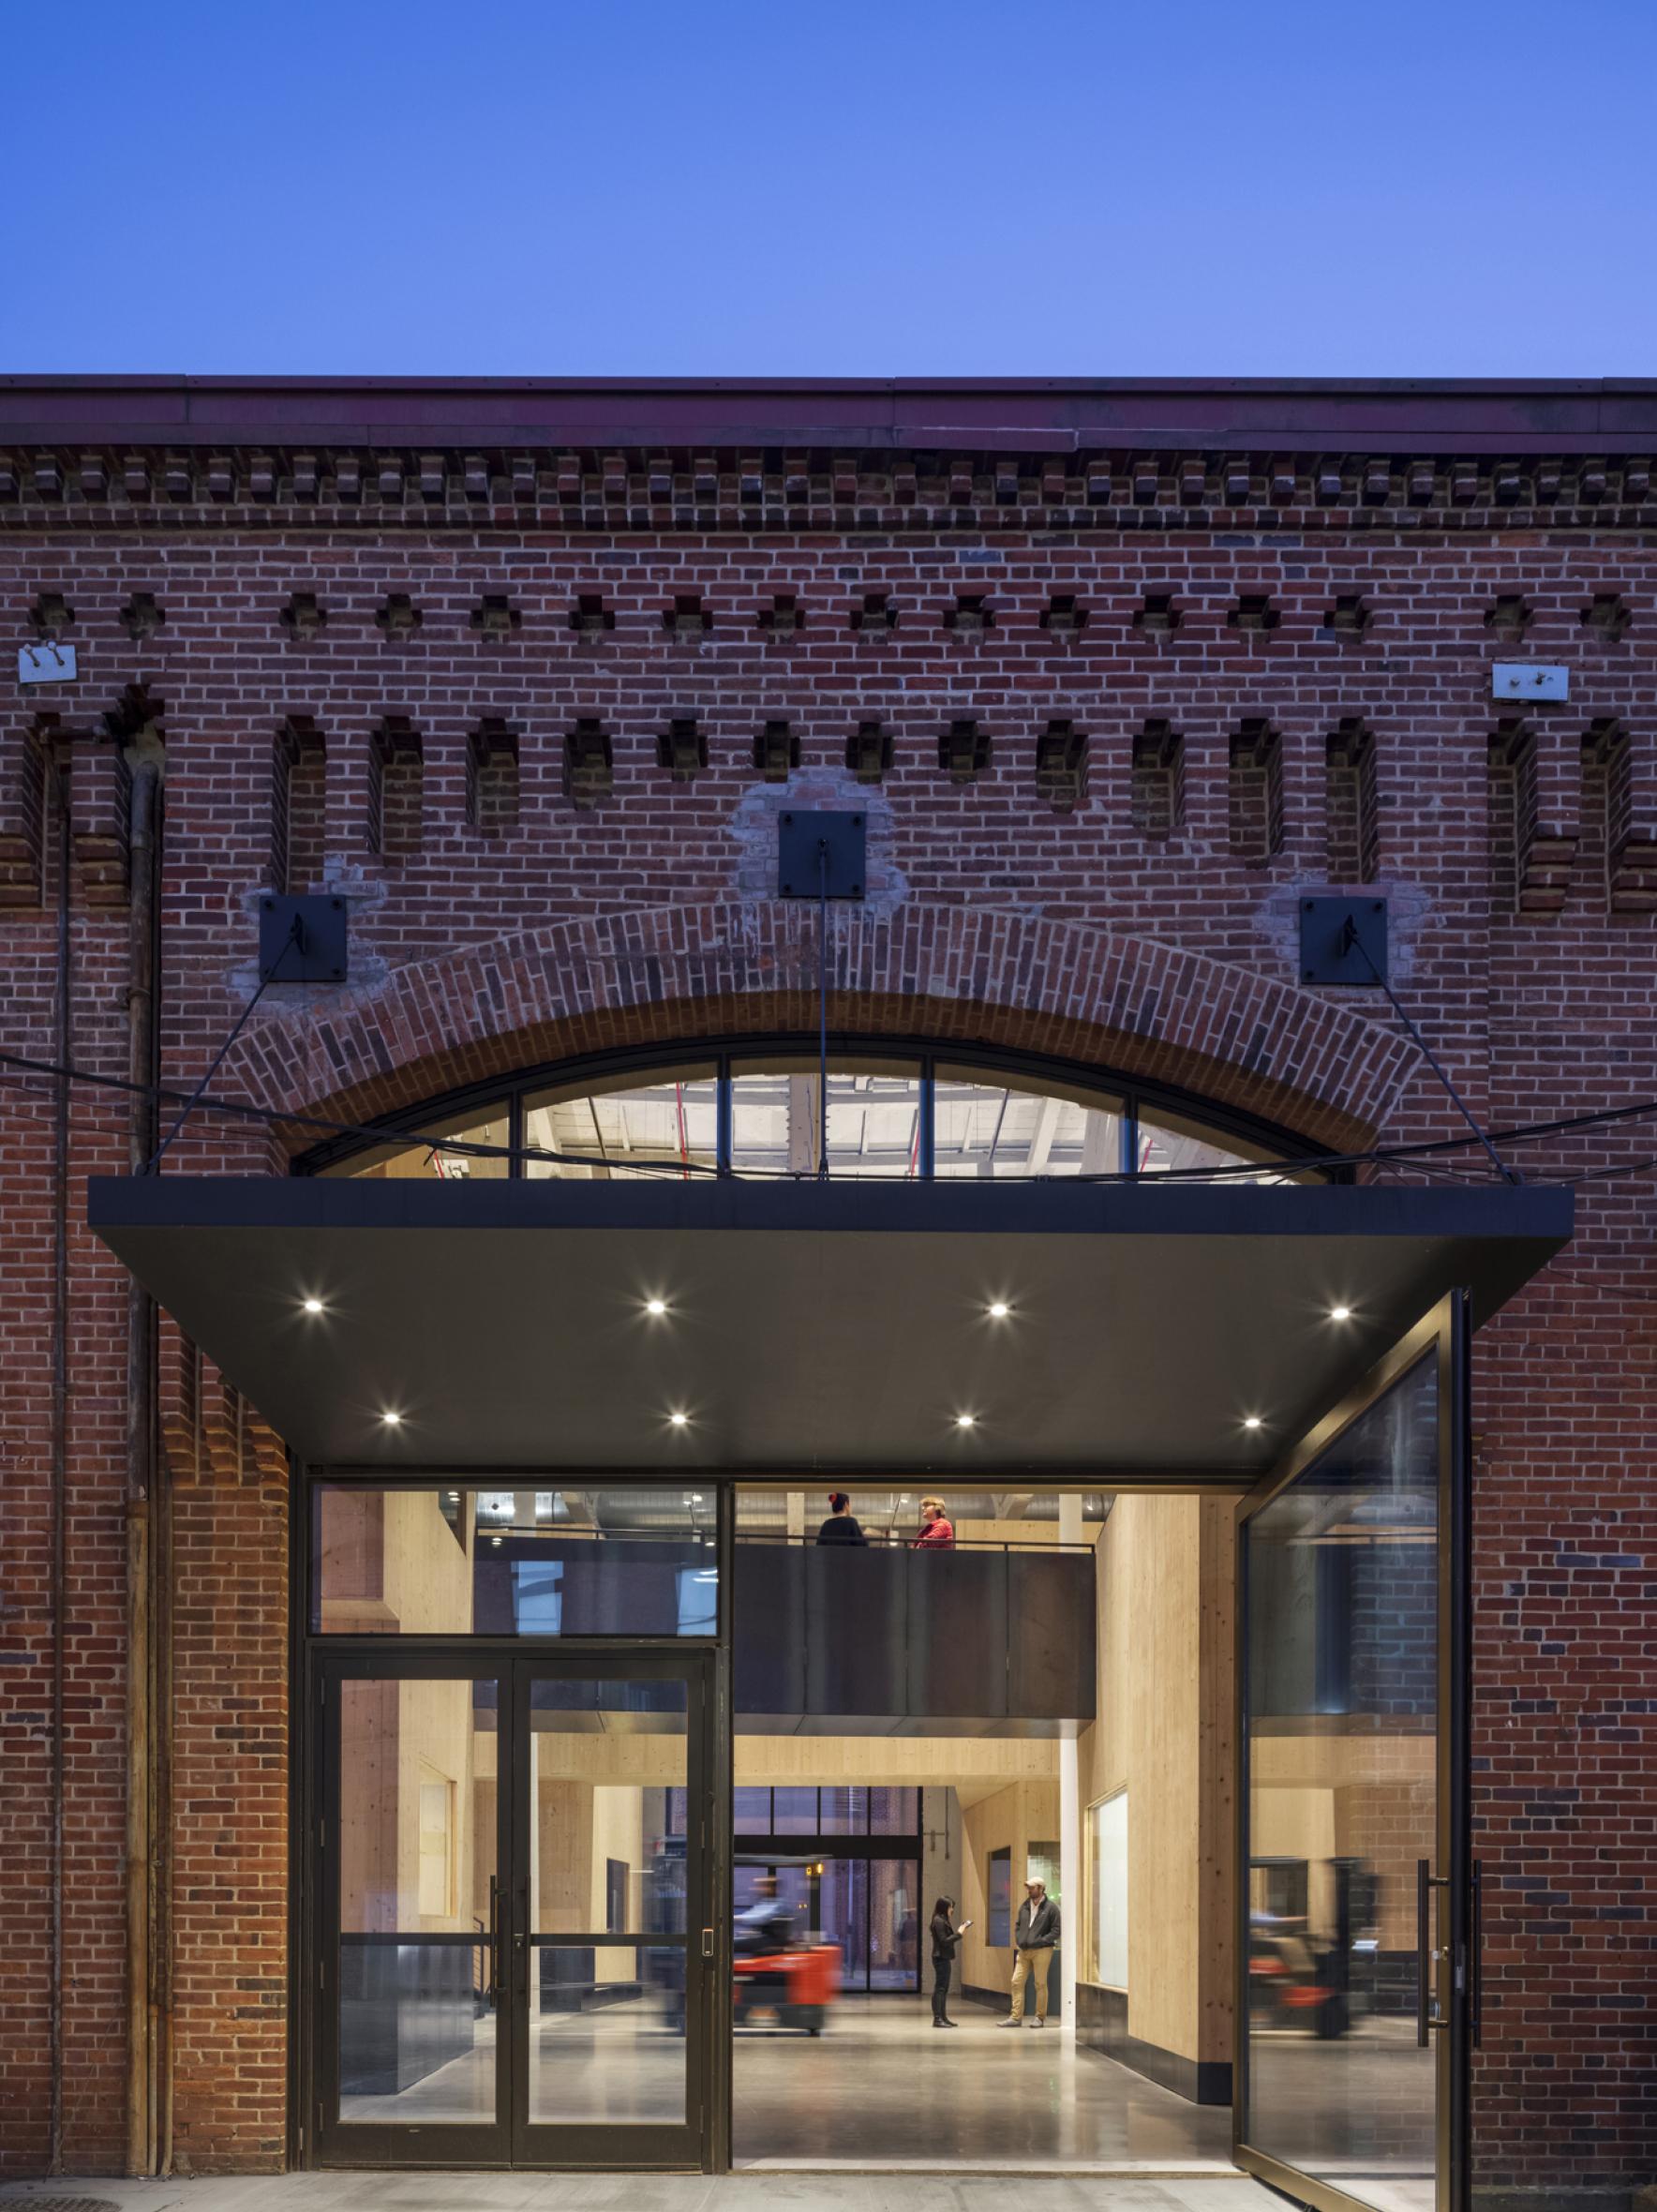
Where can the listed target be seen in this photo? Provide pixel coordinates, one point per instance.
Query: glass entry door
(1356, 1955)
(512, 1927)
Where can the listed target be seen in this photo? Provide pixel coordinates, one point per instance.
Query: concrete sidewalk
(359, 2191)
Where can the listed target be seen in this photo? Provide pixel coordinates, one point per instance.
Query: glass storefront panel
(986, 1129)
(874, 1119)
(416, 1862)
(455, 1561)
(606, 2017)
(1341, 1581)
(600, 1131)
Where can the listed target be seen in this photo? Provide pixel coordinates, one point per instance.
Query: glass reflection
(1342, 1724)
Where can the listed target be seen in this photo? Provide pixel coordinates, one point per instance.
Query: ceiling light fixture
(1000, 1310)
(313, 1304)
(656, 1306)
(1340, 1314)
(1251, 1420)
(679, 1420)
(966, 1420)
(391, 1420)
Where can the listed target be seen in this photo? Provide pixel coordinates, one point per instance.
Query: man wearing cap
(1036, 1933)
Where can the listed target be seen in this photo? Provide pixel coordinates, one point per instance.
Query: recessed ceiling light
(656, 1306)
(391, 1420)
(1251, 1421)
(679, 1420)
(966, 1420)
(313, 1304)
(1340, 1314)
(1000, 1311)
(454, 1497)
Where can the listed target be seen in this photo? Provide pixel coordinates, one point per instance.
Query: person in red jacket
(936, 1533)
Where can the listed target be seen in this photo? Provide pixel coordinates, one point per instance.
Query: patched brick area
(534, 872)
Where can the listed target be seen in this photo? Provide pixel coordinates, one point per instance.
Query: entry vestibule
(770, 1293)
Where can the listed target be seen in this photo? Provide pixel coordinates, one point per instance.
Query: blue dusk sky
(637, 188)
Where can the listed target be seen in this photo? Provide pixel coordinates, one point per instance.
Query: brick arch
(945, 974)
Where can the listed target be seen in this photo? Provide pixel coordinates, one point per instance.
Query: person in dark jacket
(944, 1936)
(1036, 1933)
(841, 1528)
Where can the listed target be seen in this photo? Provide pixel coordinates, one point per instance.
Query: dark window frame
(1130, 1097)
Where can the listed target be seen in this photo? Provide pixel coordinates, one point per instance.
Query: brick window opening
(963, 752)
(1353, 831)
(971, 615)
(776, 752)
(1061, 767)
(1629, 860)
(1254, 616)
(1157, 789)
(298, 806)
(1157, 615)
(589, 617)
(142, 617)
(589, 768)
(50, 615)
(1256, 794)
(682, 749)
(869, 752)
(492, 779)
(495, 618)
(877, 615)
(1511, 767)
(1062, 617)
(304, 617)
(687, 617)
(1349, 617)
(782, 618)
(396, 789)
(1509, 615)
(399, 616)
(1609, 617)
(23, 812)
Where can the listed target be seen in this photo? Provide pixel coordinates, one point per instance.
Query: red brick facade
(528, 688)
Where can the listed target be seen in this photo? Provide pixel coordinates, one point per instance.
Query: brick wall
(542, 857)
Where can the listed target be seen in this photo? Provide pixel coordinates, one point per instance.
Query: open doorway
(1029, 1707)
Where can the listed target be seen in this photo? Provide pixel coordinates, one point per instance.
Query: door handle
(494, 1989)
(1428, 2015)
(1476, 1939)
(707, 1943)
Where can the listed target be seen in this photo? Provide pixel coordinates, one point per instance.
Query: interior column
(1069, 1814)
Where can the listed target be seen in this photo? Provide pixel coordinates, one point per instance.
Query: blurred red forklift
(779, 1974)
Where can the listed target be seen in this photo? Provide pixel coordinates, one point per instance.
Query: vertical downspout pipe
(143, 1919)
(63, 1042)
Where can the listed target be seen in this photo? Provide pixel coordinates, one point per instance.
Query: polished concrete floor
(883, 2087)
(637, 2192)
(623, 2063)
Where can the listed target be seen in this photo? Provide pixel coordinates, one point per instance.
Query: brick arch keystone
(951, 974)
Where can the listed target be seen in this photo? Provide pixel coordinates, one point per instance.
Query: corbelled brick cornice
(890, 455)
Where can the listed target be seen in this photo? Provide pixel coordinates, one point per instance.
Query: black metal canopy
(807, 1326)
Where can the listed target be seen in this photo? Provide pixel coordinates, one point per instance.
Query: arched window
(757, 1111)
